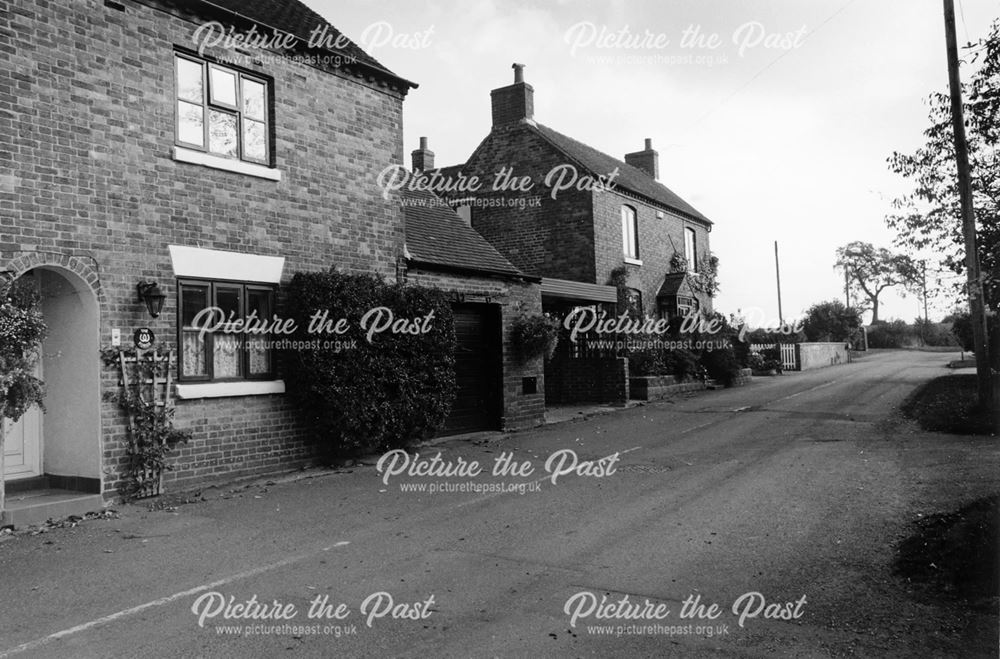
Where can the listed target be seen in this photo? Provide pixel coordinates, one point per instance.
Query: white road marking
(805, 391)
(683, 432)
(97, 622)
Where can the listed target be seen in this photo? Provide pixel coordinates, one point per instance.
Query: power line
(965, 27)
(770, 64)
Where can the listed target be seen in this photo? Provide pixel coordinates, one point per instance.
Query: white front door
(22, 446)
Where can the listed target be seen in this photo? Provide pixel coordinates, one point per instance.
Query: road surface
(783, 498)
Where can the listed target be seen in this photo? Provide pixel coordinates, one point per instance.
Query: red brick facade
(89, 186)
(515, 298)
(577, 235)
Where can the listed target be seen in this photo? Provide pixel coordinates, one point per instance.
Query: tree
(871, 270)
(831, 321)
(961, 328)
(929, 218)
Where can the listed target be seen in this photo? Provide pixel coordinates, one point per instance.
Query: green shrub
(892, 334)
(721, 364)
(648, 363)
(378, 395)
(683, 364)
(768, 359)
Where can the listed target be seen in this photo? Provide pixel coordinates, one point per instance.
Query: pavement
(780, 503)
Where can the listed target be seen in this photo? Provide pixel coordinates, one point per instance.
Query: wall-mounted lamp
(152, 296)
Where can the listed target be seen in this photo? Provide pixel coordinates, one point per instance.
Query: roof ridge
(690, 211)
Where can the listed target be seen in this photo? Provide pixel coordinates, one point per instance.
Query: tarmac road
(793, 487)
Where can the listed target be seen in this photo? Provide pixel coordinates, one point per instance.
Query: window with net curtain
(210, 351)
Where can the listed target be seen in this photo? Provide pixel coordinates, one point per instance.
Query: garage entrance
(478, 370)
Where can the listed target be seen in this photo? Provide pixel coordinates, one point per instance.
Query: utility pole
(847, 287)
(975, 285)
(923, 277)
(777, 275)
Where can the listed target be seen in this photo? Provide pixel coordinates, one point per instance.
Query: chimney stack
(647, 160)
(514, 104)
(423, 158)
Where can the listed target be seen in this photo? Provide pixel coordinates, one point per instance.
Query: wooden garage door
(477, 370)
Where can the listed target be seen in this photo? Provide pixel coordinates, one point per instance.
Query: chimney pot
(514, 103)
(423, 158)
(648, 160)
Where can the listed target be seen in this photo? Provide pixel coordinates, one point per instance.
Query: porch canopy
(578, 290)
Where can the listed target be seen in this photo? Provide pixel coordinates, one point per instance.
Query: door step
(39, 506)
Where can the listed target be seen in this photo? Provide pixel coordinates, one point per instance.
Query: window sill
(225, 389)
(629, 260)
(228, 164)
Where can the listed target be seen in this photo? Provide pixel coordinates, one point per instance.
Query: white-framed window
(630, 233)
(221, 111)
(691, 249)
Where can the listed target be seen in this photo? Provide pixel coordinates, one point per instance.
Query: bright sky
(771, 143)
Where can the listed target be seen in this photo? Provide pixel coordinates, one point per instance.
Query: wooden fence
(789, 359)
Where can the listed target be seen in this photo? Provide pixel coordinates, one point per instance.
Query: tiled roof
(296, 18)
(630, 178)
(436, 235)
(675, 283)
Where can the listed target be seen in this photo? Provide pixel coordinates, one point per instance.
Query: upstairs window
(217, 354)
(630, 233)
(691, 249)
(221, 111)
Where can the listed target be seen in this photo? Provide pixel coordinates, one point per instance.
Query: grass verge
(948, 404)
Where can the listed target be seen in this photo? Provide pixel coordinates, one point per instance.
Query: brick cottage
(617, 243)
(132, 156)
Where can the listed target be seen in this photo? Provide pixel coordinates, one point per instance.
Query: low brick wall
(745, 377)
(587, 380)
(820, 355)
(655, 387)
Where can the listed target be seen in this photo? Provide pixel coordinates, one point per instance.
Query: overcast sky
(772, 143)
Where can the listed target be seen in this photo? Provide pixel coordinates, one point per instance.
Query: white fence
(788, 358)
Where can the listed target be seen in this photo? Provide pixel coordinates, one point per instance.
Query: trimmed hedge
(377, 395)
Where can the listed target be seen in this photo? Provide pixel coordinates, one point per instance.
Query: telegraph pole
(847, 287)
(923, 276)
(777, 276)
(975, 285)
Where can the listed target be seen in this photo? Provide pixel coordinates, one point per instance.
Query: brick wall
(86, 171)
(553, 239)
(578, 235)
(659, 239)
(519, 410)
(586, 379)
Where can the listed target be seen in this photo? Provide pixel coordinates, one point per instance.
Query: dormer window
(221, 111)
(630, 233)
